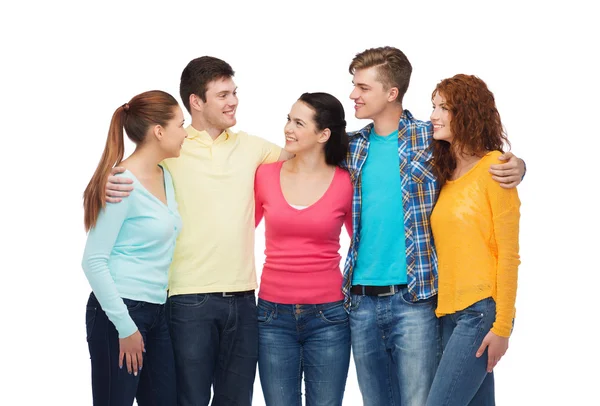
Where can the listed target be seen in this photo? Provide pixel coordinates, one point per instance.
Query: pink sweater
(302, 263)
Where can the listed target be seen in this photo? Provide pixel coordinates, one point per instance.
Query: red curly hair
(475, 125)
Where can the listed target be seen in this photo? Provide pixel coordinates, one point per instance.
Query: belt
(388, 290)
(231, 294)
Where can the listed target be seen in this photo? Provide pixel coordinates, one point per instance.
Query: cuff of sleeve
(126, 327)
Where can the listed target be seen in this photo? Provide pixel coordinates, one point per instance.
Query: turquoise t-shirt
(381, 256)
(129, 251)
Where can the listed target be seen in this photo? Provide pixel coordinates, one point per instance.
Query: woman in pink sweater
(303, 326)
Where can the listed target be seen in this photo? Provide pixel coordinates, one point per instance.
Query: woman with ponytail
(302, 323)
(128, 254)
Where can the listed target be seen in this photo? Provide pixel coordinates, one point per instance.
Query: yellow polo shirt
(214, 188)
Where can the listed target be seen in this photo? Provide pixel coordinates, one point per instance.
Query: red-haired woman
(475, 225)
(128, 254)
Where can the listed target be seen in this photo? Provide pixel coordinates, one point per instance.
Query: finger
(481, 349)
(508, 185)
(112, 200)
(140, 360)
(504, 170)
(117, 169)
(492, 361)
(116, 193)
(506, 177)
(121, 360)
(506, 156)
(134, 363)
(119, 187)
(128, 360)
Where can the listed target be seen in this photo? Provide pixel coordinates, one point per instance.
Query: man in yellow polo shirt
(211, 307)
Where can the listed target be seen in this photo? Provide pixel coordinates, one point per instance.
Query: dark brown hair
(329, 113)
(198, 74)
(137, 116)
(476, 127)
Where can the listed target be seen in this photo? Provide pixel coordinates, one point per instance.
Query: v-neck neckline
(167, 201)
(335, 174)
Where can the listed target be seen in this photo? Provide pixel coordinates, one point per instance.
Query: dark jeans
(112, 386)
(309, 340)
(215, 341)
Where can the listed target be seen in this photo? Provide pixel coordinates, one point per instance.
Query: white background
(66, 67)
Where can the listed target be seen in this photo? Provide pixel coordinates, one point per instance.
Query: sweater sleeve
(100, 242)
(505, 206)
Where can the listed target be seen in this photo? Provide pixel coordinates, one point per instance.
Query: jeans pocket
(480, 314)
(90, 320)
(264, 314)
(194, 300)
(407, 298)
(355, 302)
(133, 305)
(334, 315)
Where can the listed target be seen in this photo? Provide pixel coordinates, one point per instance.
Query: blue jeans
(462, 378)
(297, 339)
(215, 341)
(396, 345)
(112, 386)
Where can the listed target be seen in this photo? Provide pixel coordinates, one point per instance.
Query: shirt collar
(204, 137)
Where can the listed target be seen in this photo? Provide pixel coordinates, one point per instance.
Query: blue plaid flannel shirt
(420, 191)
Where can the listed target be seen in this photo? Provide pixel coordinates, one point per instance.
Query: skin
(441, 119)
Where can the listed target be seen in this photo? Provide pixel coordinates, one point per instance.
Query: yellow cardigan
(475, 226)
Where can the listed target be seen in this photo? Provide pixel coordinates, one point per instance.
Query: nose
(433, 115)
(354, 94)
(232, 100)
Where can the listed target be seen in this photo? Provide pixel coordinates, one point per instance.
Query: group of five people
(171, 259)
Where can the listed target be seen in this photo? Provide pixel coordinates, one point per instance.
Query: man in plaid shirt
(390, 276)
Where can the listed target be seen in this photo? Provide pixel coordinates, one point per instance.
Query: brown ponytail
(137, 116)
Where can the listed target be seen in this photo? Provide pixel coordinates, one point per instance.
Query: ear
(196, 102)
(158, 132)
(393, 94)
(324, 136)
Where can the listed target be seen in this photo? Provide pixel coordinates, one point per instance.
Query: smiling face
(218, 111)
(301, 132)
(441, 119)
(173, 134)
(369, 95)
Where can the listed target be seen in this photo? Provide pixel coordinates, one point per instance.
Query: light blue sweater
(129, 251)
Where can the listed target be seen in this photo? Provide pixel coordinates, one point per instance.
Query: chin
(292, 150)
(230, 123)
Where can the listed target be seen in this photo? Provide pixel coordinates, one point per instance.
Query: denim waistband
(299, 308)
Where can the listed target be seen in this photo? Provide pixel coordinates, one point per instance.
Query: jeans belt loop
(392, 291)
(226, 295)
